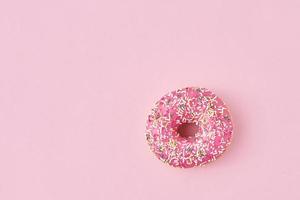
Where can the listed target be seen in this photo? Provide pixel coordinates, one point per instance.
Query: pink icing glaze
(189, 105)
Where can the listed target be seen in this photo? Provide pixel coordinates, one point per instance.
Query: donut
(193, 107)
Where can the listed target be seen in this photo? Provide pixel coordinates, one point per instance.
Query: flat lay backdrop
(78, 77)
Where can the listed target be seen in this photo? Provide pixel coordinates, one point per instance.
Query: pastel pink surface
(77, 79)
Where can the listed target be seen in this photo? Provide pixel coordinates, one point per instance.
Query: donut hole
(187, 130)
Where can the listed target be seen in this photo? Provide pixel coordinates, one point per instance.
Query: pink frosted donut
(198, 107)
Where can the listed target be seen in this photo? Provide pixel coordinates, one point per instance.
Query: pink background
(78, 77)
